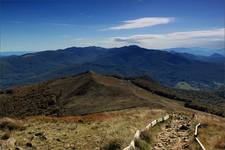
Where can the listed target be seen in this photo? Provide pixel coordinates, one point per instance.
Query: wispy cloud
(142, 22)
(213, 37)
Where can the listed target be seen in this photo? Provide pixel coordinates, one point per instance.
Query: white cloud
(213, 38)
(199, 34)
(205, 38)
(142, 22)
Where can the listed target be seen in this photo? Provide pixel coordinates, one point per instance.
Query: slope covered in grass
(82, 94)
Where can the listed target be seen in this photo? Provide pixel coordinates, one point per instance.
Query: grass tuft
(113, 145)
(142, 145)
(11, 124)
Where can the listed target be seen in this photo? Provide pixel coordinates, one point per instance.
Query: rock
(185, 139)
(185, 146)
(29, 144)
(172, 136)
(67, 145)
(19, 148)
(183, 127)
(58, 140)
(41, 136)
(38, 134)
(168, 126)
(10, 144)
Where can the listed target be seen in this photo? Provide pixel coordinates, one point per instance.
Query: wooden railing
(196, 137)
(147, 128)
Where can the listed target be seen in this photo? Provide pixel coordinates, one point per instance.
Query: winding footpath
(175, 134)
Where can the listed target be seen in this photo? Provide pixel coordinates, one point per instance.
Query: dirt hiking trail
(174, 134)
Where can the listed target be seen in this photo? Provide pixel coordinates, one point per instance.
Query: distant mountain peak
(90, 72)
(216, 55)
(133, 46)
(197, 51)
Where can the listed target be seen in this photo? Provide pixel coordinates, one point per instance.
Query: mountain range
(215, 57)
(198, 51)
(15, 53)
(169, 68)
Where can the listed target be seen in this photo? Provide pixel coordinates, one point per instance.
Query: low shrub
(145, 135)
(6, 136)
(142, 145)
(113, 145)
(9, 91)
(11, 124)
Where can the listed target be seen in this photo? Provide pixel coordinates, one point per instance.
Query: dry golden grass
(97, 131)
(84, 132)
(212, 131)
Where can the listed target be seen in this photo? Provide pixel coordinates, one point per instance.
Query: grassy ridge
(207, 101)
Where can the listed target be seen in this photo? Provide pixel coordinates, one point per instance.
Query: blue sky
(34, 25)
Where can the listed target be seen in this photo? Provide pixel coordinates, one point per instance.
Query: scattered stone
(174, 135)
(184, 127)
(11, 142)
(41, 136)
(58, 140)
(67, 145)
(168, 126)
(29, 144)
(185, 146)
(19, 148)
(38, 134)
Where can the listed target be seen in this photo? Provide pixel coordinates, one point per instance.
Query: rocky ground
(174, 134)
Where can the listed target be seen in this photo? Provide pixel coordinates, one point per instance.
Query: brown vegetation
(113, 145)
(207, 101)
(90, 134)
(92, 93)
(220, 144)
(211, 131)
(11, 124)
(78, 95)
